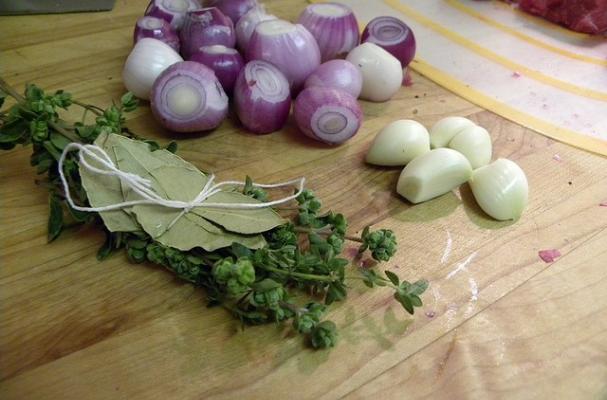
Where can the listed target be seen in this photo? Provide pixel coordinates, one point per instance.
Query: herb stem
(324, 231)
(292, 307)
(64, 132)
(388, 283)
(353, 238)
(89, 107)
(8, 89)
(307, 277)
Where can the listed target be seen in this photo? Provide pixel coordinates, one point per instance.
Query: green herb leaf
(172, 147)
(59, 141)
(55, 218)
(393, 277)
(13, 132)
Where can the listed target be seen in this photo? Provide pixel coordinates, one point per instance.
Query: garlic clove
(473, 142)
(445, 130)
(433, 174)
(500, 189)
(398, 143)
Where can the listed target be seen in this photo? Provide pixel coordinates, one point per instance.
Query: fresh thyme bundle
(255, 263)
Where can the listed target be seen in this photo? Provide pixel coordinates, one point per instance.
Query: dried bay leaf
(241, 221)
(102, 190)
(174, 178)
(190, 230)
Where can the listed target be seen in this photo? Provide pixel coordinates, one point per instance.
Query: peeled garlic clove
(444, 130)
(500, 189)
(433, 174)
(473, 142)
(398, 143)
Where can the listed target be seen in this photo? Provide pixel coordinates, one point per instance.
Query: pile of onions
(225, 62)
(338, 74)
(247, 24)
(284, 62)
(334, 27)
(206, 27)
(326, 114)
(187, 97)
(262, 97)
(393, 35)
(234, 9)
(157, 28)
(172, 11)
(147, 60)
(290, 47)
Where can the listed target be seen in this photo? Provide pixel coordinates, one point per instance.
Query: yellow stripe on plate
(564, 135)
(488, 54)
(514, 32)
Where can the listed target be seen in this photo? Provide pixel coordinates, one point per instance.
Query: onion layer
(393, 35)
(338, 74)
(326, 114)
(225, 62)
(247, 24)
(172, 11)
(156, 28)
(146, 61)
(206, 27)
(290, 47)
(262, 97)
(187, 97)
(334, 27)
(234, 9)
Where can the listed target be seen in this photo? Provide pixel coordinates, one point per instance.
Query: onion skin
(381, 71)
(247, 23)
(334, 106)
(207, 114)
(262, 98)
(381, 31)
(156, 28)
(226, 64)
(148, 59)
(205, 27)
(335, 35)
(338, 74)
(295, 53)
(501, 189)
(157, 9)
(234, 9)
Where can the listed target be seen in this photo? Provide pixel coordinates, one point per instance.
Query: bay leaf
(103, 190)
(240, 221)
(190, 230)
(174, 178)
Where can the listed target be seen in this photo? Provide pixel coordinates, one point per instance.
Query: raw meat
(589, 16)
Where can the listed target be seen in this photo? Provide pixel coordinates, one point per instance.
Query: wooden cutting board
(497, 322)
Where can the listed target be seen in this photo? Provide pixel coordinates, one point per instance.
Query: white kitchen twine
(143, 187)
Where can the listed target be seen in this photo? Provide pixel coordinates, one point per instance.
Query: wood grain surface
(498, 322)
